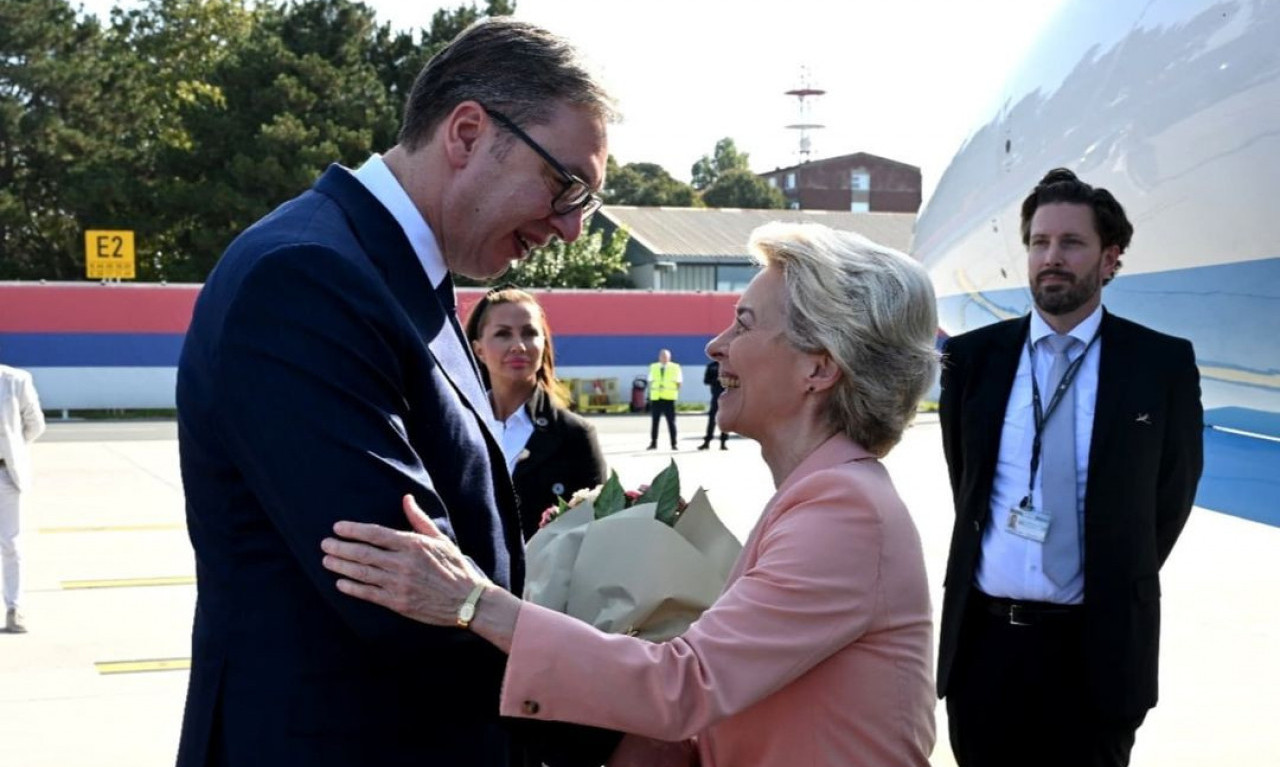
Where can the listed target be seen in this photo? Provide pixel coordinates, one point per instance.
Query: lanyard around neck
(1042, 414)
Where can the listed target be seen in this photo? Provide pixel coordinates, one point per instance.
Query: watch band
(467, 611)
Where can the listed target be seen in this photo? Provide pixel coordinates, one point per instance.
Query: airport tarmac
(109, 591)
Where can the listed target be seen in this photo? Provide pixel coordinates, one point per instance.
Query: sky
(904, 79)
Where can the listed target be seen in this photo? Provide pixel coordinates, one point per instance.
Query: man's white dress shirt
(1010, 564)
(378, 179)
(382, 184)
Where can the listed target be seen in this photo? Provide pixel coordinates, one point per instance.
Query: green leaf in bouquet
(612, 497)
(665, 492)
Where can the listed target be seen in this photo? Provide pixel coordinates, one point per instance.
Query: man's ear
(824, 373)
(1110, 257)
(461, 131)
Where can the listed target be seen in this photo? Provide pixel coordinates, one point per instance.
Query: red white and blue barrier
(94, 346)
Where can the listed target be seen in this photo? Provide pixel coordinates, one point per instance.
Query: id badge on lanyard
(1024, 519)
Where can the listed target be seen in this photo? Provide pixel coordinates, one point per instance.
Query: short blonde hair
(872, 309)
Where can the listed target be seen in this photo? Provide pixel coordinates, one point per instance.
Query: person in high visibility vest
(664, 389)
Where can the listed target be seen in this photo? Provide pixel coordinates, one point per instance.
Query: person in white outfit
(21, 422)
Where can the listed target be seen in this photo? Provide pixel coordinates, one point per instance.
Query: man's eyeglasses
(576, 194)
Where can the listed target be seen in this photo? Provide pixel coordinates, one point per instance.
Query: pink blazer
(819, 651)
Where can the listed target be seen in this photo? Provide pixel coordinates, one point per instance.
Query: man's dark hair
(512, 66)
(1061, 185)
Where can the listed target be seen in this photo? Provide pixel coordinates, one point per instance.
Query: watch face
(468, 609)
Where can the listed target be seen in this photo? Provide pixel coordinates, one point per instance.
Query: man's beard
(1060, 299)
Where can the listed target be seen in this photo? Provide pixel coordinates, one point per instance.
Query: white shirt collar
(516, 431)
(382, 184)
(1082, 332)
(520, 417)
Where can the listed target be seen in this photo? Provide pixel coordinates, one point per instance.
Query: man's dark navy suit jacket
(321, 380)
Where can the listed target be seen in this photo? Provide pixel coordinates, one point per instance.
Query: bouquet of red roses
(638, 562)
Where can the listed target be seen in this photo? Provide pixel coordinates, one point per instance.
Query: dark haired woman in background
(551, 453)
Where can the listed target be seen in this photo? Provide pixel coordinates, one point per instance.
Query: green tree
(592, 261)
(114, 98)
(186, 120)
(315, 82)
(51, 126)
(646, 184)
(740, 188)
(398, 57)
(294, 94)
(173, 52)
(725, 158)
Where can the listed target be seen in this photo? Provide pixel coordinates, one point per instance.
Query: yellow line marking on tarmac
(128, 583)
(142, 666)
(113, 528)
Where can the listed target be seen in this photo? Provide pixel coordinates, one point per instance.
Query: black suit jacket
(1144, 464)
(711, 377)
(320, 380)
(561, 458)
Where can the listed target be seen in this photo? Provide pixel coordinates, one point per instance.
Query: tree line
(187, 120)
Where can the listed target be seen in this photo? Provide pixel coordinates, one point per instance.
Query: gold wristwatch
(468, 610)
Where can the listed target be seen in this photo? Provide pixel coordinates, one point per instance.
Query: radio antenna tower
(805, 94)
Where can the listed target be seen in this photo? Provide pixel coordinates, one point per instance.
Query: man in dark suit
(711, 377)
(1073, 439)
(324, 376)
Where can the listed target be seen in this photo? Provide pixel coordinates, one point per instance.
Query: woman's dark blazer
(561, 458)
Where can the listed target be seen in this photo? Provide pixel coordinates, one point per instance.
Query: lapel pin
(540, 421)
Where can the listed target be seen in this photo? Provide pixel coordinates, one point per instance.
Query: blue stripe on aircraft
(1230, 311)
(1240, 476)
(1245, 419)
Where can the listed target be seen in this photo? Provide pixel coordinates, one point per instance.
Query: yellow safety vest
(664, 384)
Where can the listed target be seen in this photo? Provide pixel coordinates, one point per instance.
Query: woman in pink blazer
(819, 651)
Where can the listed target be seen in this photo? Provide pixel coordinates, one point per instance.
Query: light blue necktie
(1061, 553)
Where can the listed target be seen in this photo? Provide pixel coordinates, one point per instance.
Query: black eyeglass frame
(589, 203)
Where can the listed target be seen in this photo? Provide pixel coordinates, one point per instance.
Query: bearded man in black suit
(1073, 441)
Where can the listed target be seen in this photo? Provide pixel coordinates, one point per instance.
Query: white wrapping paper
(629, 573)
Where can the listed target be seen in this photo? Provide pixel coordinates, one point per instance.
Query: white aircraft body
(1174, 106)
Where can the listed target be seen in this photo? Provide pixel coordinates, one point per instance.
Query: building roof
(723, 232)
(841, 160)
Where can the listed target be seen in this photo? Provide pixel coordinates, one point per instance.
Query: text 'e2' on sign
(108, 254)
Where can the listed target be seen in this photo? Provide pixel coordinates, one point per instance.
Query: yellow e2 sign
(108, 254)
